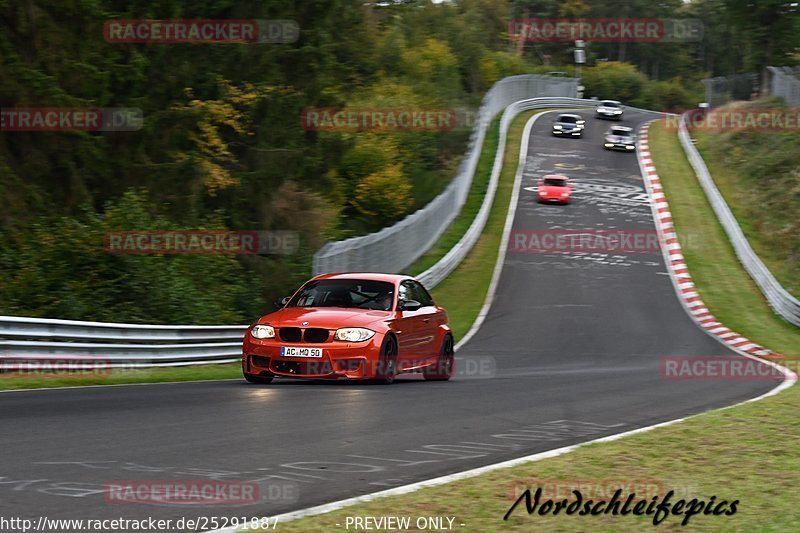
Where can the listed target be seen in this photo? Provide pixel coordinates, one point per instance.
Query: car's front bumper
(339, 359)
(606, 114)
(568, 133)
(618, 146)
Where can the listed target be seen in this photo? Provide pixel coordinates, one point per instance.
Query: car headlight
(564, 195)
(262, 331)
(609, 145)
(353, 334)
(617, 112)
(557, 127)
(542, 193)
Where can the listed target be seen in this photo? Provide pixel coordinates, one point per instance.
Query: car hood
(324, 317)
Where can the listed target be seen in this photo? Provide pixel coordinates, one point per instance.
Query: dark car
(620, 138)
(568, 125)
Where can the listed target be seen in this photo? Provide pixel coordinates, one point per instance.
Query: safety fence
(783, 303)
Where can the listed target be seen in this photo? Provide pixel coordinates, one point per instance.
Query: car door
(412, 332)
(431, 318)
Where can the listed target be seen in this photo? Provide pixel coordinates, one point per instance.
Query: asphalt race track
(570, 351)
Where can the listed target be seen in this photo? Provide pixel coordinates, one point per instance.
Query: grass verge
(744, 453)
(120, 377)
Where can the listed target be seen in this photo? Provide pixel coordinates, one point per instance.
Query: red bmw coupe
(353, 326)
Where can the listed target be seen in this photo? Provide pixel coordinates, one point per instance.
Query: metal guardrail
(783, 303)
(396, 247)
(112, 344)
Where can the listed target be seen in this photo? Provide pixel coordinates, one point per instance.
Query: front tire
(443, 369)
(387, 362)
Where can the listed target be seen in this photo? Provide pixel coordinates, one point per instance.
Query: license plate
(296, 351)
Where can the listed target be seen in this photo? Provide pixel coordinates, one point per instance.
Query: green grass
(10, 381)
(745, 452)
(757, 174)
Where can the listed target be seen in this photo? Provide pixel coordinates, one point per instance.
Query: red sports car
(353, 326)
(554, 188)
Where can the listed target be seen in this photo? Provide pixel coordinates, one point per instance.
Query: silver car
(620, 138)
(610, 109)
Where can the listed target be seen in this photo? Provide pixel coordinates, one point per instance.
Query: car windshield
(608, 103)
(568, 119)
(555, 182)
(348, 293)
(621, 133)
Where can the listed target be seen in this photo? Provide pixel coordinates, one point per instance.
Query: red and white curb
(677, 267)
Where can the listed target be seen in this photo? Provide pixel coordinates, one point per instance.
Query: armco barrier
(395, 247)
(783, 303)
(111, 344)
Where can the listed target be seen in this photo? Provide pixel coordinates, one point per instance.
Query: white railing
(112, 344)
(783, 303)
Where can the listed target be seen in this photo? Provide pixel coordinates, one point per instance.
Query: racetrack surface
(570, 351)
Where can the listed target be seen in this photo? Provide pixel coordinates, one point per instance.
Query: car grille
(290, 334)
(312, 335)
(315, 335)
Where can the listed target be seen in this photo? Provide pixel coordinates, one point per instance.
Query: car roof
(562, 115)
(555, 177)
(620, 128)
(370, 276)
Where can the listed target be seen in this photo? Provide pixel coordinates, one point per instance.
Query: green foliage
(59, 267)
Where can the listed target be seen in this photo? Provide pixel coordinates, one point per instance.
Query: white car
(620, 138)
(609, 109)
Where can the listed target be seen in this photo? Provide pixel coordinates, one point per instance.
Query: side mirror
(282, 302)
(410, 305)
